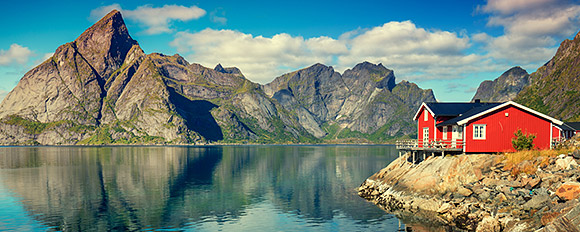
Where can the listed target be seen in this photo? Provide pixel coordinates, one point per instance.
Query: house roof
(470, 113)
(485, 110)
(451, 109)
(573, 125)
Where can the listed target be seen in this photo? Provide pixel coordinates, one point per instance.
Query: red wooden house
(484, 127)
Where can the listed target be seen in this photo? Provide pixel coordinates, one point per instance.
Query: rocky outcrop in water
(482, 192)
(103, 89)
(505, 87)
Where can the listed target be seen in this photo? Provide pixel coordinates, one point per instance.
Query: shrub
(523, 141)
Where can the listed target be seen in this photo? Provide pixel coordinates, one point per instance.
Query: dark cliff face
(555, 87)
(364, 102)
(505, 87)
(103, 89)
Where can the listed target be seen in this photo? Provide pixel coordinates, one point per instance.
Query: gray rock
(537, 202)
(505, 87)
(576, 154)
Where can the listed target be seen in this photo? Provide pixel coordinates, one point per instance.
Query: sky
(447, 46)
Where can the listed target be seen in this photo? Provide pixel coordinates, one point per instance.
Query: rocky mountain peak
(106, 44)
(368, 65)
(379, 74)
(505, 87)
(577, 37)
(229, 70)
(554, 88)
(515, 71)
(219, 68)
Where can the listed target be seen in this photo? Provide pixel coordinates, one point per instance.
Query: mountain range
(103, 89)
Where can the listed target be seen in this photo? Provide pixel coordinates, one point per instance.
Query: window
(425, 136)
(445, 132)
(478, 131)
(425, 117)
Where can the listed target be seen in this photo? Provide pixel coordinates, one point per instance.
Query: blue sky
(448, 46)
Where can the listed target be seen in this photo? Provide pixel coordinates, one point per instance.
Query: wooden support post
(413, 157)
(424, 156)
(443, 153)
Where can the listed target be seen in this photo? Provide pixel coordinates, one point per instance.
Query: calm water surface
(212, 188)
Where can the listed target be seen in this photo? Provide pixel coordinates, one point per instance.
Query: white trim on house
(419, 111)
(464, 138)
(551, 134)
(553, 120)
(435, 129)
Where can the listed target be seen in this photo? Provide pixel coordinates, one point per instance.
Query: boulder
(444, 208)
(569, 191)
(566, 163)
(464, 191)
(488, 224)
(537, 202)
(576, 154)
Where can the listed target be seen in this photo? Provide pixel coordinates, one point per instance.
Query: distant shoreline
(202, 145)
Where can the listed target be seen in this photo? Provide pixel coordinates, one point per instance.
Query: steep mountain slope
(103, 89)
(363, 102)
(503, 88)
(555, 87)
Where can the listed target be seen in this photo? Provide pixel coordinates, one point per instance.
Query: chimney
(477, 100)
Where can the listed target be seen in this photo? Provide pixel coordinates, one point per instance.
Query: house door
(425, 136)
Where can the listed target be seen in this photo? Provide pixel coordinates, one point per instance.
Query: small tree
(523, 141)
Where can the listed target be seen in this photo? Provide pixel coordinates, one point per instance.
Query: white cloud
(47, 55)
(16, 54)
(260, 58)
(511, 6)
(532, 29)
(414, 53)
(156, 20)
(98, 13)
(218, 16)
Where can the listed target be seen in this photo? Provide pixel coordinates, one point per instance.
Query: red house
(483, 127)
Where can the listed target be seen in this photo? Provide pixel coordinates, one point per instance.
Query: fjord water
(207, 188)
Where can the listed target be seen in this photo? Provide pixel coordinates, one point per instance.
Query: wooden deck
(426, 149)
(431, 146)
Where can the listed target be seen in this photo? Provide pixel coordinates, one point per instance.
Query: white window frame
(425, 138)
(425, 117)
(479, 131)
(445, 133)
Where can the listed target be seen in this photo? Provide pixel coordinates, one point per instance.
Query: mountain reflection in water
(290, 188)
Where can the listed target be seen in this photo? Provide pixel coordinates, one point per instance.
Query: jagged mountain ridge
(505, 87)
(102, 89)
(363, 99)
(555, 87)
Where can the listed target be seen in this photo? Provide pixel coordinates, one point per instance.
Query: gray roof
(455, 108)
(476, 108)
(572, 125)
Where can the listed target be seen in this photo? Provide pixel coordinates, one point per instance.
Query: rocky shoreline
(481, 192)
